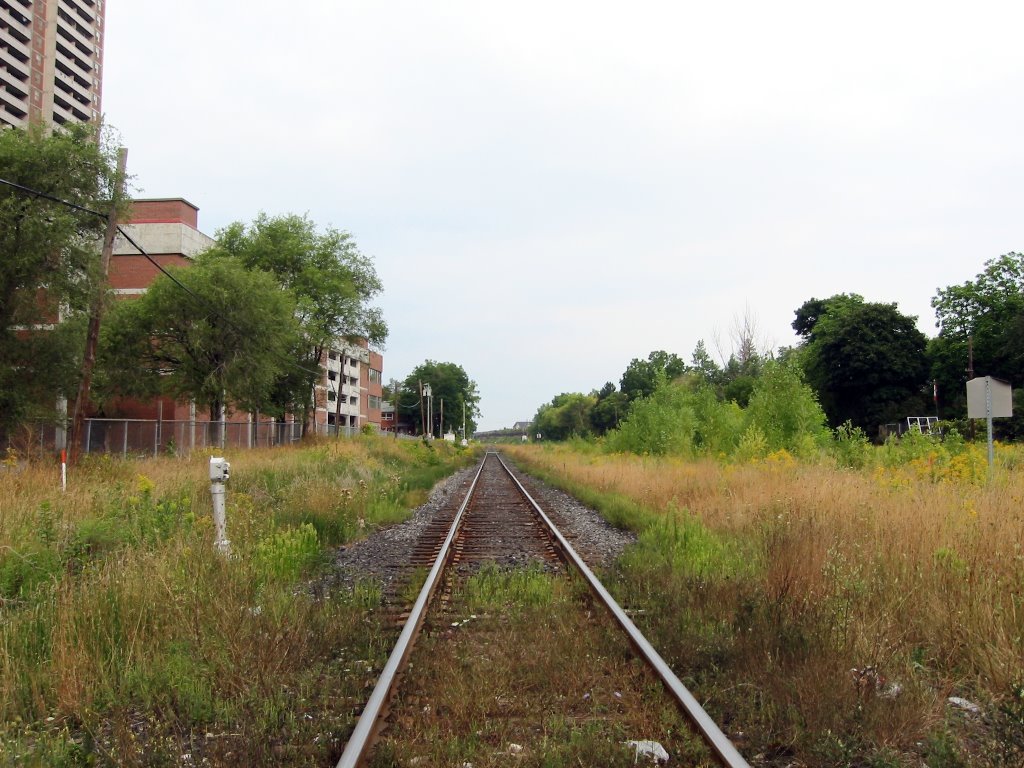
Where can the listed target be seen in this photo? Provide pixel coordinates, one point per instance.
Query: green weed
(492, 587)
(288, 554)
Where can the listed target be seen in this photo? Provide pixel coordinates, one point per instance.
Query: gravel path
(384, 555)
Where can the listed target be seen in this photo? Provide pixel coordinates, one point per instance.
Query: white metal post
(219, 470)
(988, 419)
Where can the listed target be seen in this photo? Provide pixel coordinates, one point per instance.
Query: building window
(332, 355)
(375, 376)
(331, 396)
(332, 375)
(374, 402)
(353, 401)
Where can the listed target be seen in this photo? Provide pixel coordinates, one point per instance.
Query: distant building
(522, 426)
(51, 61)
(404, 422)
(349, 392)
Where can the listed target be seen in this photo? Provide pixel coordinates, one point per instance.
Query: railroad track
(498, 521)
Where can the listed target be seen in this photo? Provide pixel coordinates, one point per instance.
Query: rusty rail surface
(361, 741)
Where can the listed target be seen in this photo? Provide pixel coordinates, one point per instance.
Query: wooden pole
(93, 335)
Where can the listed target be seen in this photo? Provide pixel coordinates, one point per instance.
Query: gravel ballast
(384, 555)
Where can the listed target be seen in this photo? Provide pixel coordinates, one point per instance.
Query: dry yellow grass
(917, 573)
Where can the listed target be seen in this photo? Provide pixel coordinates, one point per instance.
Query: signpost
(988, 398)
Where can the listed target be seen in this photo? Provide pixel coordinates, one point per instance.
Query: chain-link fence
(142, 437)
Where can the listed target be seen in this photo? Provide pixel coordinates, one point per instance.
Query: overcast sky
(550, 189)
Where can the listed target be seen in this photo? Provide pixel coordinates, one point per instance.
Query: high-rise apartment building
(51, 61)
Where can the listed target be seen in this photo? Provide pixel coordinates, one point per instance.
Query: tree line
(244, 326)
(453, 404)
(858, 364)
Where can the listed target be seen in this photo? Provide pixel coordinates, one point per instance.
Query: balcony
(19, 69)
(73, 36)
(80, 9)
(15, 89)
(12, 39)
(73, 88)
(12, 15)
(11, 106)
(84, 63)
(62, 115)
(70, 66)
(78, 114)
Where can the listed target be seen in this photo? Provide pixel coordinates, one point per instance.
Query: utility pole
(423, 418)
(970, 376)
(395, 400)
(440, 427)
(93, 335)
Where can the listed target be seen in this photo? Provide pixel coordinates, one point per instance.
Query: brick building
(349, 392)
(168, 229)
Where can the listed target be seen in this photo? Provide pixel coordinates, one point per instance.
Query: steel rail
(362, 736)
(718, 741)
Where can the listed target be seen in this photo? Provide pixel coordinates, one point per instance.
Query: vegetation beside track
(826, 613)
(126, 639)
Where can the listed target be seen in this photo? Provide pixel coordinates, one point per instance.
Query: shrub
(287, 554)
(850, 447)
(785, 410)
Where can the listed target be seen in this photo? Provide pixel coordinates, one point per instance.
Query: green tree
(567, 415)
(49, 261)
(866, 361)
(333, 284)
(222, 340)
(987, 314)
(702, 364)
(610, 407)
(640, 378)
(450, 383)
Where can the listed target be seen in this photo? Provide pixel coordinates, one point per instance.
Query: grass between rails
(528, 672)
(125, 639)
(827, 613)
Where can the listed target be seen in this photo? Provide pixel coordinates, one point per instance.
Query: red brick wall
(138, 271)
(165, 210)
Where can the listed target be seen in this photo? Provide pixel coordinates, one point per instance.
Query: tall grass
(831, 611)
(126, 638)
